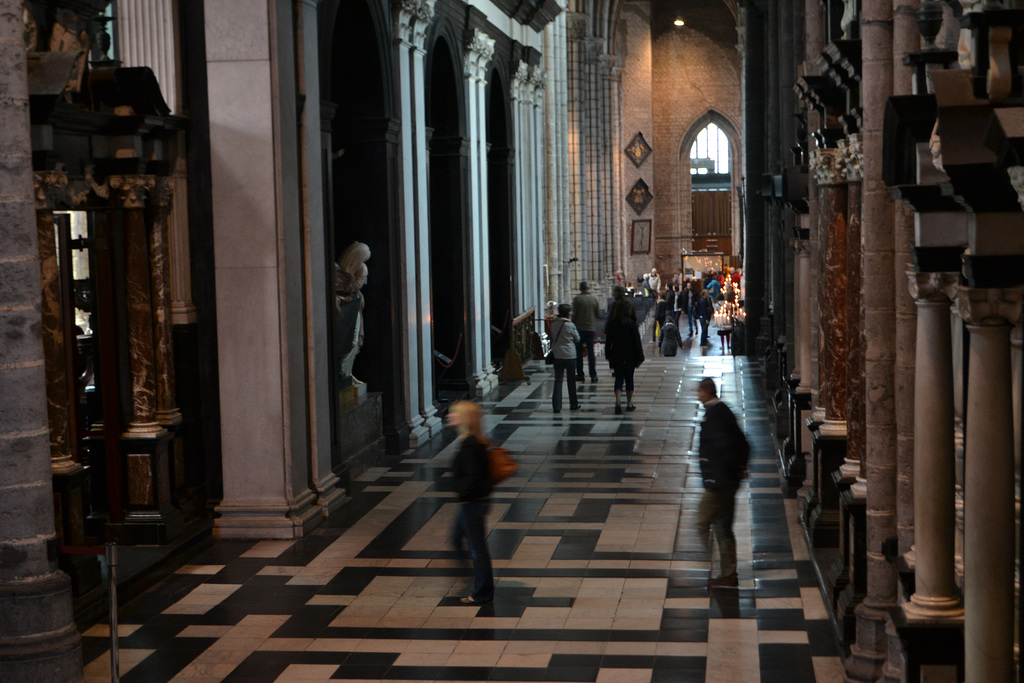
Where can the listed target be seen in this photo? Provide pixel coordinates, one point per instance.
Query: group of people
(573, 332)
(724, 452)
(694, 297)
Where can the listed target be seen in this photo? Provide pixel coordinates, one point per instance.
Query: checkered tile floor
(600, 575)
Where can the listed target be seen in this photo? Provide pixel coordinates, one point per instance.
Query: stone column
(803, 286)
(48, 185)
(161, 200)
(131, 194)
(989, 514)
(870, 650)
(519, 93)
(479, 50)
(40, 641)
(538, 82)
(934, 473)
(832, 345)
(412, 19)
(754, 165)
(855, 389)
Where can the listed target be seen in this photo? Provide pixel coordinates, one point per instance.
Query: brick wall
(690, 72)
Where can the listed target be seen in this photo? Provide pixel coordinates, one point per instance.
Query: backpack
(500, 465)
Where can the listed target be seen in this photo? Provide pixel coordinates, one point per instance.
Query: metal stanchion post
(111, 557)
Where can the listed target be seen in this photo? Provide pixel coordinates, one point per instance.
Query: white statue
(350, 274)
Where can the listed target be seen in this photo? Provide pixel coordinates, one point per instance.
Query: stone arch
(684, 185)
(360, 155)
(448, 197)
(501, 209)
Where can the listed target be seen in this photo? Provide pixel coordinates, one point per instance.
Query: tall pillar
(412, 20)
(131, 193)
(989, 515)
(870, 650)
(39, 641)
(259, 272)
(934, 466)
(832, 345)
(520, 92)
(538, 84)
(162, 199)
(55, 343)
(802, 334)
(754, 165)
(479, 50)
(855, 389)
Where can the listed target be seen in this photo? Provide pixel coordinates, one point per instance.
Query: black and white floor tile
(600, 574)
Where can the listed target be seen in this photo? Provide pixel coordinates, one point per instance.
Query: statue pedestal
(359, 440)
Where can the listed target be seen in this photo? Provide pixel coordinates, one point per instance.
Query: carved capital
(479, 50)
(826, 167)
(989, 307)
(933, 287)
(853, 159)
(50, 186)
(78, 190)
(412, 19)
(576, 25)
(538, 81)
(161, 195)
(132, 189)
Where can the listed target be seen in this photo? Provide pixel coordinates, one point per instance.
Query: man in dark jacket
(723, 465)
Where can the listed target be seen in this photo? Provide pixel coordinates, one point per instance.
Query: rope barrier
(448, 362)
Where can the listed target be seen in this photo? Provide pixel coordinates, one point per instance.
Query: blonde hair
(472, 422)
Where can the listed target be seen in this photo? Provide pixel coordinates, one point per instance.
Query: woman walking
(623, 347)
(707, 311)
(473, 485)
(566, 339)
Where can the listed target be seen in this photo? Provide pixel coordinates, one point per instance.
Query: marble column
(412, 19)
(832, 344)
(538, 82)
(48, 186)
(934, 466)
(855, 388)
(803, 313)
(183, 309)
(161, 199)
(520, 94)
(131, 195)
(989, 516)
(479, 50)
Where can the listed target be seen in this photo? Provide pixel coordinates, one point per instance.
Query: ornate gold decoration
(132, 189)
(826, 168)
(638, 150)
(50, 186)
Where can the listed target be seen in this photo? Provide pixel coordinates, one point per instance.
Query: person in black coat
(470, 469)
(623, 348)
(723, 465)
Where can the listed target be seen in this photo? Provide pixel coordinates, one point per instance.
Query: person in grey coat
(565, 339)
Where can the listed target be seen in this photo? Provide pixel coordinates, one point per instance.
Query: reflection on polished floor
(600, 575)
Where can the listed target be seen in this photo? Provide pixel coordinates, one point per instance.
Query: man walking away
(723, 465)
(584, 316)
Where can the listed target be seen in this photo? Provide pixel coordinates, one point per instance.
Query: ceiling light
(679, 21)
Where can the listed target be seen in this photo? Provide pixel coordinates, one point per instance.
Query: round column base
(920, 607)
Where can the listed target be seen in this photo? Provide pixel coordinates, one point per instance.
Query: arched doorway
(449, 161)
(361, 161)
(501, 217)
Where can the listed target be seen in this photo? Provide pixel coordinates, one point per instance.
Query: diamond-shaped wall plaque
(638, 150)
(639, 196)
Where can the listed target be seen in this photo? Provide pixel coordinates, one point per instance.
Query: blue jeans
(586, 339)
(469, 524)
(704, 324)
(691, 318)
(564, 367)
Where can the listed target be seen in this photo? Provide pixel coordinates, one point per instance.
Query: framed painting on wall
(641, 237)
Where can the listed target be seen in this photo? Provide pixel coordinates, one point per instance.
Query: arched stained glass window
(710, 152)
